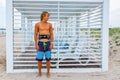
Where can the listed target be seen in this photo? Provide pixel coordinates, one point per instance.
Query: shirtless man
(43, 37)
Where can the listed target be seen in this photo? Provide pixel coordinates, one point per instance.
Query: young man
(43, 36)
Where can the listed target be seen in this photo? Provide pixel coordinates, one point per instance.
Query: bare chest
(43, 27)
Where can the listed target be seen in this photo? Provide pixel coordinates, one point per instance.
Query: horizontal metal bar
(55, 20)
(57, 12)
(93, 18)
(65, 46)
(61, 44)
(81, 37)
(55, 61)
(96, 20)
(49, 8)
(55, 3)
(94, 15)
(90, 14)
(94, 25)
(89, 50)
(85, 1)
(23, 65)
(32, 4)
(79, 64)
(80, 55)
(95, 11)
(68, 26)
(52, 6)
(85, 36)
(63, 56)
(34, 51)
(79, 28)
(37, 13)
(54, 54)
(34, 8)
(69, 44)
(98, 26)
(66, 51)
(59, 64)
(71, 22)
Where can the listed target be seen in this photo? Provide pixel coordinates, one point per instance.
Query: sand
(112, 74)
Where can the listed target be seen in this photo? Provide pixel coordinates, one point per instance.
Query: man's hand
(51, 46)
(37, 47)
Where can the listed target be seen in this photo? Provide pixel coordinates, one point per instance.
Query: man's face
(46, 17)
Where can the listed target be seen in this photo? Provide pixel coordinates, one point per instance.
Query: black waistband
(43, 36)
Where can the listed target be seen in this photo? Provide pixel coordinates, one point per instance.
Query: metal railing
(77, 30)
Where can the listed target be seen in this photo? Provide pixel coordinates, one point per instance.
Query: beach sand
(112, 74)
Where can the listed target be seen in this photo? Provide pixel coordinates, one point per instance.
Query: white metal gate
(78, 31)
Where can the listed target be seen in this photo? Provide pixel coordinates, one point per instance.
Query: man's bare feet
(48, 75)
(39, 74)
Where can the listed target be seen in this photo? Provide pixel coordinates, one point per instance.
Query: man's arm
(51, 34)
(36, 30)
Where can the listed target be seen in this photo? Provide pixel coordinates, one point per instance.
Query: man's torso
(44, 30)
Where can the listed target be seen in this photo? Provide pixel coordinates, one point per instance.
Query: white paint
(23, 33)
(105, 35)
(9, 36)
(72, 33)
(65, 0)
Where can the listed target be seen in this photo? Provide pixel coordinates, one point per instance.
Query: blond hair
(43, 14)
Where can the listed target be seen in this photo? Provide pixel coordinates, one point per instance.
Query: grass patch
(113, 31)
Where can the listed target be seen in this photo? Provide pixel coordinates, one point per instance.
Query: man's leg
(48, 57)
(39, 58)
(48, 68)
(39, 68)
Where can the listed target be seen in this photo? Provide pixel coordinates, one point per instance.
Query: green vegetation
(114, 43)
(113, 31)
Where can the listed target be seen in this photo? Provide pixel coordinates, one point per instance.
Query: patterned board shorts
(44, 51)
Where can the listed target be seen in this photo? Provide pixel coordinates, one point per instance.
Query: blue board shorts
(43, 51)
